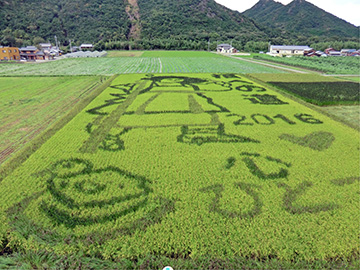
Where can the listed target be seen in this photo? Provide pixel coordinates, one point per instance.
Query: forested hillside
(197, 20)
(122, 22)
(171, 24)
(88, 21)
(303, 18)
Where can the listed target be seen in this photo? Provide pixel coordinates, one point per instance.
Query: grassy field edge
(46, 260)
(27, 151)
(304, 102)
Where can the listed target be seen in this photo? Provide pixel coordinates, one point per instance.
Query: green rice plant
(32, 104)
(294, 78)
(192, 170)
(323, 93)
(155, 62)
(330, 65)
(319, 141)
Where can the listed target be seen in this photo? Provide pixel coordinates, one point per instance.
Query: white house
(280, 50)
(45, 46)
(225, 48)
(86, 47)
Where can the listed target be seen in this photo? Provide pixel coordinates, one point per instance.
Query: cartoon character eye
(70, 167)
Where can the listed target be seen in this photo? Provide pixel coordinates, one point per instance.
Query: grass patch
(47, 133)
(44, 260)
(156, 62)
(179, 54)
(323, 93)
(329, 65)
(31, 104)
(350, 78)
(295, 78)
(348, 114)
(124, 53)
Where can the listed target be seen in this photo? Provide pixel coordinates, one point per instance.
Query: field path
(161, 67)
(269, 65)
(341, 75)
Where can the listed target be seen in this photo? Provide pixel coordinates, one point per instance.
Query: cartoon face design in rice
(78, 194)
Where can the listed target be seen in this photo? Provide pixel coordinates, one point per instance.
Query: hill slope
(114, 20)
(301, 17)
(77, 19)
(199, 18)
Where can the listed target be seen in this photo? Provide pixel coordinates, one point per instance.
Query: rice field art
(189, 169)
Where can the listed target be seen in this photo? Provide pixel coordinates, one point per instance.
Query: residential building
(285, 50)
(28, 53)
(334, 53)
(45, 46)
(86, 47)
(328, 50)
(313, 53)
(225, 48)
(347, 52)
(356, 53)
(9, 53)
(75, 48)
(40, 55)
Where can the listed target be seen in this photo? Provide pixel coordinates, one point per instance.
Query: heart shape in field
(319, 141)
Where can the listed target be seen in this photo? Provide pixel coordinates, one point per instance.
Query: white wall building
(283, 50)
(225, 48)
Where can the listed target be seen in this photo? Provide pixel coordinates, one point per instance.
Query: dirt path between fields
(269, 65)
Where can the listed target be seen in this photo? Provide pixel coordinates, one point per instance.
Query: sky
(348, 10)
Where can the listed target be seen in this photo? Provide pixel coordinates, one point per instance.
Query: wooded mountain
(124, 20)
(156, 24)
(301, 17)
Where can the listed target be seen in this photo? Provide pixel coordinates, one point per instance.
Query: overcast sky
(348, 10)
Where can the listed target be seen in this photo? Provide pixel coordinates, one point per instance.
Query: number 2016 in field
(263, 119)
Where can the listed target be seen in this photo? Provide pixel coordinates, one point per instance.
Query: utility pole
(209, 45)
(70, 46)
(269, 46)
(56, 43)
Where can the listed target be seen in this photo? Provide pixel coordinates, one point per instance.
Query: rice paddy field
(328, 65)
(316, 89)
(195, 170)
(29, 105)
(143, 62)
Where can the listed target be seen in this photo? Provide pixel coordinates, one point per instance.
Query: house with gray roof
(28, 53)
(225, 48)
(288, 50)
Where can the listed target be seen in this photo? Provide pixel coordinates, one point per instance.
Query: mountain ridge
(122, 20)
(302, 17)
(156, 24)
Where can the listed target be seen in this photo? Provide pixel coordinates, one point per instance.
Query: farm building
(85, 47)
(284, 50)
(86, 54)
(334, 53)
(225, 48)
(9, 53)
